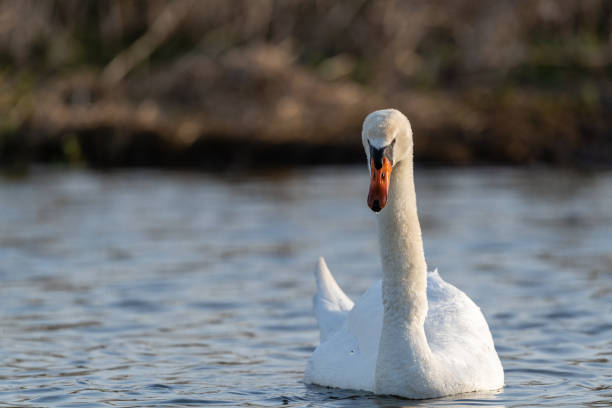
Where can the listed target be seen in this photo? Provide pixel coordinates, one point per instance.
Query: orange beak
(379, 185)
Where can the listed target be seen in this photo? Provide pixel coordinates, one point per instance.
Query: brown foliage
(481, 81)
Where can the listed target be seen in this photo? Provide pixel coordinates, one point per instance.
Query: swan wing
(331, 305)
(347, 357)
(453, 320)
(455, 328)
(459, 337)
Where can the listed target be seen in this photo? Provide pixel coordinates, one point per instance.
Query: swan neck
(401, 248)
(403, 352)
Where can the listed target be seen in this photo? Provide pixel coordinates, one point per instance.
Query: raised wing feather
(331, 305)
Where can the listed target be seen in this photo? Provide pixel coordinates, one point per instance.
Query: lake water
(145, 288)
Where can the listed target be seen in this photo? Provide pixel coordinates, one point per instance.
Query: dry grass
(156, 82)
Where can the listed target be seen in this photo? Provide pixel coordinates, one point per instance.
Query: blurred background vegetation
(238, 84)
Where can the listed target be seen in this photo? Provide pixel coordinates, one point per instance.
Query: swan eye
(383, 175)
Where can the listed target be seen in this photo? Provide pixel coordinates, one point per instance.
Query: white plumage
(411, 334)
(455, 329)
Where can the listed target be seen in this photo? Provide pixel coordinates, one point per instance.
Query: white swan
(411, 334)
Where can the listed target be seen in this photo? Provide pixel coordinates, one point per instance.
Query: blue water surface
(146, 288)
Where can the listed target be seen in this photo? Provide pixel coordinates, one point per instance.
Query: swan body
(411, 334)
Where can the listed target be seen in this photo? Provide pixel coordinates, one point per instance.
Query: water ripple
(146, 292)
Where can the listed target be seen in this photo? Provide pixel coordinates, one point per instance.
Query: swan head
(387, 139)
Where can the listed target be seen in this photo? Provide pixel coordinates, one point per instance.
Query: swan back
(456, 331)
